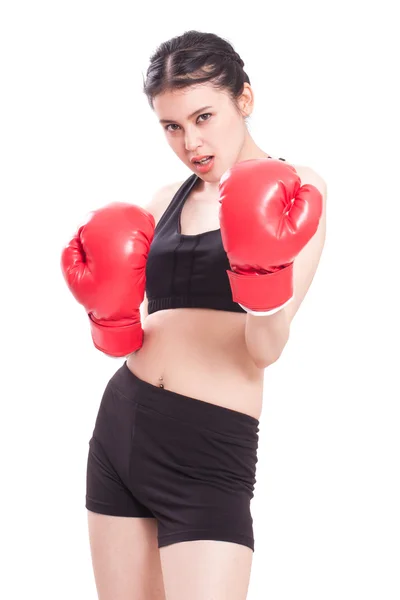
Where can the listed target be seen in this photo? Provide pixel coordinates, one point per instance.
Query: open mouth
(203, 161)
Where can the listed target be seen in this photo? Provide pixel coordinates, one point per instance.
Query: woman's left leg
(206, 569)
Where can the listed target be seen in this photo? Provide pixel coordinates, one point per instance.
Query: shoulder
(161, 199)
(309, 175)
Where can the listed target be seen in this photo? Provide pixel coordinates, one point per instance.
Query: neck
(248, 151)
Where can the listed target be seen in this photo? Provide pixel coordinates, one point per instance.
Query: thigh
(197, 482)
(122, 530)
(206, 569)
(109, 458)
(125, 557)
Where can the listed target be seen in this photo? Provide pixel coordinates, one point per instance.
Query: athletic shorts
(187, 463)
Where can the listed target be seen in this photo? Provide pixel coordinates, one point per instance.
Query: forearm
(266, 336)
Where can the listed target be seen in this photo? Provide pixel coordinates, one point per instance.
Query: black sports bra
(187, 271)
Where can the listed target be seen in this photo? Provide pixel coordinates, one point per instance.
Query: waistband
(214, 302)
(198, 412)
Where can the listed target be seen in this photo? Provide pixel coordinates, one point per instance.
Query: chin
(211, 178)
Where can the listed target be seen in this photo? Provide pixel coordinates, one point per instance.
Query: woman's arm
(143, 308)
(266, 336)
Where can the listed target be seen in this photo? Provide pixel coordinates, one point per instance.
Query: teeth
(204, 160)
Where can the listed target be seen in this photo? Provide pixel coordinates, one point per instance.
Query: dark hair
(194, 58)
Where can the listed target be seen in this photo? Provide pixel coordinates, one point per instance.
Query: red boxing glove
(104, 267)
(266, 218)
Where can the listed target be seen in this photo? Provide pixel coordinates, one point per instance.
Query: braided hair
(191, 59)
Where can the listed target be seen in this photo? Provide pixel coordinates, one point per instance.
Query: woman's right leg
(125, 557)
(122, 531)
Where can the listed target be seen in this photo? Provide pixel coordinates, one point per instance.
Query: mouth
(203, 164)
(201, 160)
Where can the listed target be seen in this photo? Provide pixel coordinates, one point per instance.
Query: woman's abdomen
(200, 353)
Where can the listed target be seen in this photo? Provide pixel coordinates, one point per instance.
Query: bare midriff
(200, 353)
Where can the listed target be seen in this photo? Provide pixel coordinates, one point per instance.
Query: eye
(175, 127)
(171, 125)
(204, 115)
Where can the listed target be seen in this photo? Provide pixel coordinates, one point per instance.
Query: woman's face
(202, 121)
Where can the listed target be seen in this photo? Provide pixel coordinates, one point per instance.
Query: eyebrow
(199, 110)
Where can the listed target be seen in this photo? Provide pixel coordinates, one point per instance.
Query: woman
(172, 460)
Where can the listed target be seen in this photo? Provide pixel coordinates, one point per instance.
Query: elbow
(266, 361)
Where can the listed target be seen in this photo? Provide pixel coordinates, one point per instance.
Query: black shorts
(189, 464)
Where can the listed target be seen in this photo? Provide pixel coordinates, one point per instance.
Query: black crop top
(187, 271)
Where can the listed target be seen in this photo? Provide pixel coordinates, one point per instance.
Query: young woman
(225, 258)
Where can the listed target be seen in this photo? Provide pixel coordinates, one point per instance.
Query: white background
(77, 133)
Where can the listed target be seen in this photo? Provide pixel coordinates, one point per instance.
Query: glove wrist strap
(262, 292)
(116, 340)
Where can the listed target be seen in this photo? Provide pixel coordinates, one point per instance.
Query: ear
(246, 100)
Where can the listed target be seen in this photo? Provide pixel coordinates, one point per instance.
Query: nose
(192, 139)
